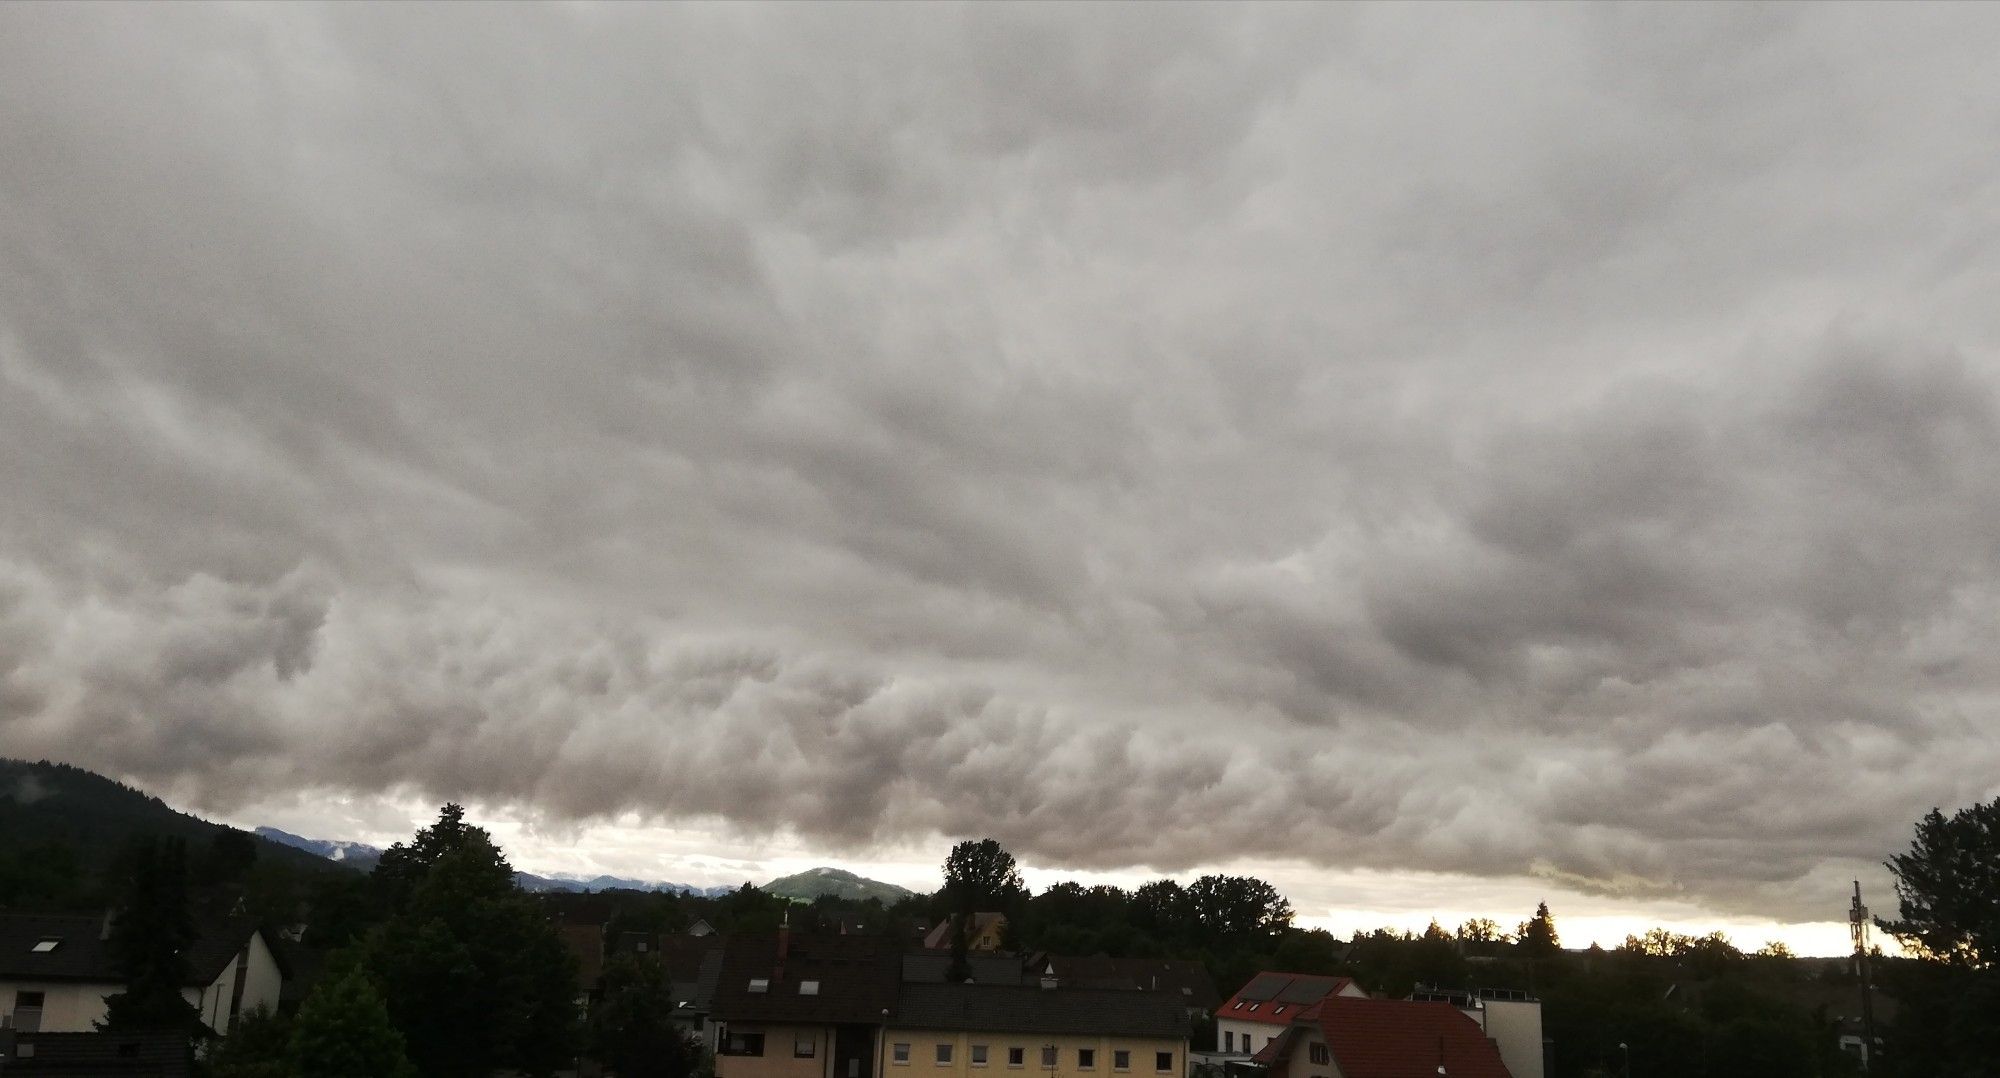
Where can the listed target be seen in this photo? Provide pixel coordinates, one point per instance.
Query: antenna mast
(1857, 926)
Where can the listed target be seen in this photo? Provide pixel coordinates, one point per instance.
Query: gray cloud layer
(1472, 439)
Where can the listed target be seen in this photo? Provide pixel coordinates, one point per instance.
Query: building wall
(66, 1007)
(1516, 1026)
(261, 985)
(923, 1055)
(780, 1058)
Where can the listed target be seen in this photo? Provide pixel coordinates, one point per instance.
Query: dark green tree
(472, 973)
(1160, 908)
(1948, 887)
(1537, 936)
(260, 1046)
(981, 875)
(150, 936)
(344, 1031)
(631, 1027)
(1237, 909)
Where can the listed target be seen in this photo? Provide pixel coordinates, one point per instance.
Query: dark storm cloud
(1487, 440)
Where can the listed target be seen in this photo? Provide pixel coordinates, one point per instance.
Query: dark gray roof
(930, 968)
(1032, 1009)
(698, 995)
(82, 954)
(854, 980)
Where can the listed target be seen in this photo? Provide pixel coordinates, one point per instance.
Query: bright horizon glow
(1341, 902)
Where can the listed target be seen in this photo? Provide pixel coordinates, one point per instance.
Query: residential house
(1270, 1003)
(987, 933)
(1043, 1028)
(692, 964)
(57, 970)
(803, 1006)
(1511, 1019)
(1347, 1037)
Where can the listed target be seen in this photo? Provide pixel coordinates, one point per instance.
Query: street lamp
(1622, 1047)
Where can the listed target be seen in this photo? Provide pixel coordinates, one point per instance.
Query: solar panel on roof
(1264, 986)
(1307, 990)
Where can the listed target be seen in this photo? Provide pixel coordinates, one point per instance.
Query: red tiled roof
(1389, 1038)
(1280, 998)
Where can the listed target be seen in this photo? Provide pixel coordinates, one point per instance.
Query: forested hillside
(62, 827)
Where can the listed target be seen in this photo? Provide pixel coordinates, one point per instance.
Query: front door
(854, 1052)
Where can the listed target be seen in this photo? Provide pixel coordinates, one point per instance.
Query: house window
(1049, 1056)
(1163, 1061)
(1016, 1056)
(944, 1055)
(1121, 1059)
(760, 984)
(28, 1011)
(1086, 1059)
(46, 944)
(899, 1053)
(808, 988)
(803, 1045)
(744, 1044)
(979, 1055)
(1320, 1054)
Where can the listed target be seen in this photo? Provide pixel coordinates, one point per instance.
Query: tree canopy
(981, 875)
(1948, 887)
(469, 968)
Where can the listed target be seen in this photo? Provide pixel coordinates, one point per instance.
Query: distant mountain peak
(838, 882)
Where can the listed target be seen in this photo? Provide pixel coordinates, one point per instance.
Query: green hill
(62, 827)
(814, 882)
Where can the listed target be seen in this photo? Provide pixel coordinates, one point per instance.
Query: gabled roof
(1393, 1038)
(81, 953)
(990, 1008)
(854, 980)
(1279, 998)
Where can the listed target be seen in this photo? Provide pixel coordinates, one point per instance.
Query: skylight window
(46, 944)
(808, 988)
(1253, 1006)
(760, 984)
(1279, 1009)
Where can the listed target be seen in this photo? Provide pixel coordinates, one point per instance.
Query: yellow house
(1033, 1031)
(803, 1006)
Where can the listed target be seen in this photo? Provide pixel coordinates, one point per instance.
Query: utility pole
(1857, 926)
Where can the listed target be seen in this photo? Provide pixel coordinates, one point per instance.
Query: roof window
(808, 988)
(760, 984)
(1253, 1006)
(1279, 1009)
(46, 944)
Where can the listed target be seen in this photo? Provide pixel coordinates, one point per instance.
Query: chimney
(784, 947)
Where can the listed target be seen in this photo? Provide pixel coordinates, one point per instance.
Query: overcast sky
(1497, 450)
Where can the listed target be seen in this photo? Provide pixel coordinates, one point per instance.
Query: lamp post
(1626, 1051)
